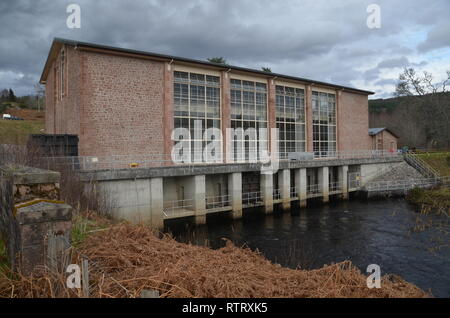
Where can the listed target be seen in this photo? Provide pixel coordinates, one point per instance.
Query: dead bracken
(126, 259)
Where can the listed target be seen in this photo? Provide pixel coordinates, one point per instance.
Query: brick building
(383, 139)
(126, 102)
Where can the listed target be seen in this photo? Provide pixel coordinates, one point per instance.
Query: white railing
(177, 207)
(217, 202)
(381, 186)
(335, 186)
(420, 165)
(251, 198)
(151, 160)
(313, 189)
(277, 194)
(293, 192)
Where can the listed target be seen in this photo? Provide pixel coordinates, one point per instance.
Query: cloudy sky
(322, 40)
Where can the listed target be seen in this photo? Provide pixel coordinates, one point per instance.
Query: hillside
(421, 122)
(17, 131)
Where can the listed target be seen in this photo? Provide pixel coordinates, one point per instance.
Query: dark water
(375, 232)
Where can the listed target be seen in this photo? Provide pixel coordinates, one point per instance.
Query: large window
(248, 116)
(290, 120)
(324, 124)
(196, 105)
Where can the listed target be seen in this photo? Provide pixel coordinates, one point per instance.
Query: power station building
(122, 102)
(126, 102)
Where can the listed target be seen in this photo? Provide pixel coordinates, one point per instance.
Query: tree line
(30, 101)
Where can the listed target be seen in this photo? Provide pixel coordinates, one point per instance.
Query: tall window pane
(324, 124)
(290, 119)
(249, 112)
(196, 100)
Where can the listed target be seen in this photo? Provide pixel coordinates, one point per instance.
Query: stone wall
(29, 212)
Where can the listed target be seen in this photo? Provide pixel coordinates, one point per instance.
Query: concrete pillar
(301, 185)
(324, 183)
(343, 179)
(284, 182)
(266, 188)
(156, 203)
(199, 190)
(235, 194)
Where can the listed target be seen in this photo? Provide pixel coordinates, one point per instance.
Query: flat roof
(58, 42)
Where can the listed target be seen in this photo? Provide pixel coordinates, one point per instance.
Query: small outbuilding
(383, 139)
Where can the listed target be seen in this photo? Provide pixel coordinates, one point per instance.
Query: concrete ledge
(44, 212)
(178, 171)
(28, 175)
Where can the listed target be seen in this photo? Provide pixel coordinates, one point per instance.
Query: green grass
(431, 201)
(18, 131)
(438, 160)
(82, 227)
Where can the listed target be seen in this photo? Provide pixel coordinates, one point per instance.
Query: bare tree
(428, 104)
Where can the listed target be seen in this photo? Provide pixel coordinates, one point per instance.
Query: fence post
(85, 277)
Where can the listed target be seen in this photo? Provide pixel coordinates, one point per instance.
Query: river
(384, 232)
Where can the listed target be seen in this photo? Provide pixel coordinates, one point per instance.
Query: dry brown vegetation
(126, 259)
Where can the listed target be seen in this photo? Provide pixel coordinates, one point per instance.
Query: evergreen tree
(11, 96)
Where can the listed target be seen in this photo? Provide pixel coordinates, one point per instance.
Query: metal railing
(335, 186)
(313, 189)
(381, 186)
(420, 165)
(293, 192)
(177, 207)
(217, 202)
(276, 194)
(251, 198)
(152, 160)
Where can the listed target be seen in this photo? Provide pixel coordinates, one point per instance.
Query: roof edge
(62, 41)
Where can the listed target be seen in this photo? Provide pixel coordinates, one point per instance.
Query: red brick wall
(49, 102)
(389, 139)
(62, 113)
(353, 122)
(122, 106)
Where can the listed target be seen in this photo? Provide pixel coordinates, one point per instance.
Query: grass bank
(18, 131)
(440, 161)
(431, 201)
(125, 259)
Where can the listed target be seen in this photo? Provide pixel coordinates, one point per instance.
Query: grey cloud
(322, 40)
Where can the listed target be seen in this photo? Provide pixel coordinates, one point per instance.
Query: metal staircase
(420, 165)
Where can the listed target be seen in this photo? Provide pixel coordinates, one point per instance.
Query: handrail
(150, 160)
(421, 165)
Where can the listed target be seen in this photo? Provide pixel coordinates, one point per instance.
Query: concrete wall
(371, 171)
